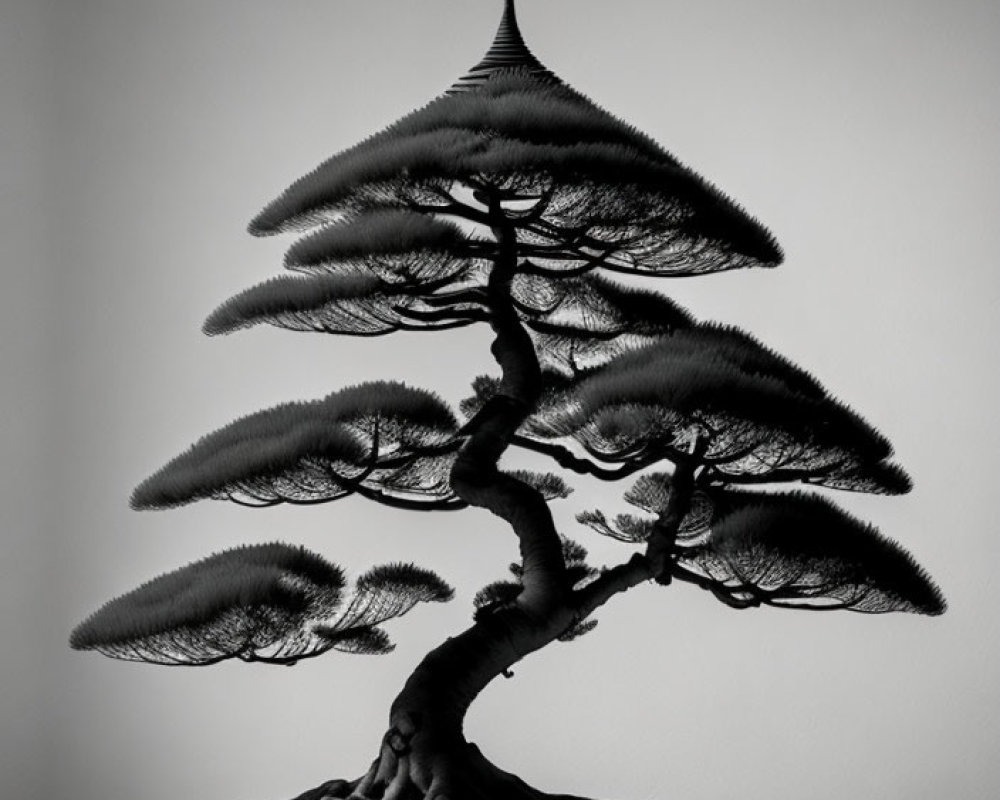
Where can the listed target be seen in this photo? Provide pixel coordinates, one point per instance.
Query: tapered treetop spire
(508, 51)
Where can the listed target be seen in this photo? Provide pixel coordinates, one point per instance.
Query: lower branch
(658, 562)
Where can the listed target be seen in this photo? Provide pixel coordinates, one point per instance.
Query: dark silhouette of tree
(510, 200)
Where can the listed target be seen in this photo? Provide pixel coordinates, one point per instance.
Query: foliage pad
(797, 551)
(719, 396)
(383, 440)
(273, 603)
(609, 192)
(254, 603)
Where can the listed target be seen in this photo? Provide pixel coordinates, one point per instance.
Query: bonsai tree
(513, 201)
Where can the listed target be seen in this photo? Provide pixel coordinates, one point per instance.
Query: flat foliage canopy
(373, 437)
(397, 245)
(271, 603)
(717, 394)
(531, 136)
(252, 602)
(354, 305)
(800, 551)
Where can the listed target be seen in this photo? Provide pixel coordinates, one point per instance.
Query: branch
(541, 205)
(449, 504)
(540, 326)
(660, 547)
(557, 253)
(452, 208)
(686, 575)
(658, 562)
(475, 295)
(449, 317)
(569, 242)
(583, 466)
(611, 582)
(712, 475)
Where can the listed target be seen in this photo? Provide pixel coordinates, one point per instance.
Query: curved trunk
(435, 699)
(426, 718)
(424, 754)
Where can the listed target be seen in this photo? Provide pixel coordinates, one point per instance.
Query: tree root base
(464, 774)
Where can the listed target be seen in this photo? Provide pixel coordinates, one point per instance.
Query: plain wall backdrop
(138, 138)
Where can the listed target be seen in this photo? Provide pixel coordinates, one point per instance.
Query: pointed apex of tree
(508, 51)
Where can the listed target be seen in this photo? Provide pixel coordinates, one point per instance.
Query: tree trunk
(424, 754)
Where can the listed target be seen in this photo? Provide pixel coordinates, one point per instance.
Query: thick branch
(611, 582)
(660, 546)
(512, 348)
(657, 563)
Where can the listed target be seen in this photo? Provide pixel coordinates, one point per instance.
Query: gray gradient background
(139, 137)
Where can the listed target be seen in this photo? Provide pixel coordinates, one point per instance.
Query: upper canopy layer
(513, 130)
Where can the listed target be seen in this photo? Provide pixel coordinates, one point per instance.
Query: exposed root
(462, 774)
(330, 789)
